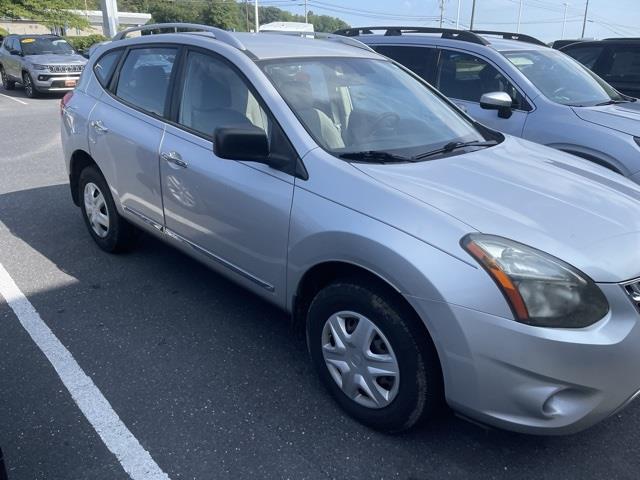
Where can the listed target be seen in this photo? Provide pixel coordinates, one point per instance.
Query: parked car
(41, 63)
(558, 44)
(427, 256)
(516, 84)
(616, 60)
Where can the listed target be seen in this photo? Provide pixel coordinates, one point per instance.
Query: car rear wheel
(6, 83)
(29, 88)
(374, 357)
(110, 231)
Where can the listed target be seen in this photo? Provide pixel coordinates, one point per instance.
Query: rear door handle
(174, 158)
(99, 127)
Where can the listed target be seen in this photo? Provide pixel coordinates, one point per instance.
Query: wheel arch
(79, 161)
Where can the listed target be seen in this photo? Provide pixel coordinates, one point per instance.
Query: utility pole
(473, 14)
(109, 17)
(246, 13)
(306, 13)
(441, 12)
(458, 15)
(564, 20)
(519, 16)
(584, 22)
(256, 15)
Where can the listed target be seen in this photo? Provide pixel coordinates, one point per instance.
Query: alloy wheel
(360, 359)
(28, 85)
(96, 210)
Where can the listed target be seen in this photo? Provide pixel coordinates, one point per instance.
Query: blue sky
(541, 18)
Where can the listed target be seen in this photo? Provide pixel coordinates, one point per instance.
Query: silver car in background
(517, 85)
(428, 258)
(41, 63)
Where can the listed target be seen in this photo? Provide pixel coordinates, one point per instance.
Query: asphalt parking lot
(211, 381)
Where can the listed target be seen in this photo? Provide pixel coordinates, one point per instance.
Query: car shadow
(197, 339)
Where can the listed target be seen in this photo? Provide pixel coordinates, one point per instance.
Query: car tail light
(65, 101)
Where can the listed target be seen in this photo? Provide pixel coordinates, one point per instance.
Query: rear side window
(416, 59)
(104, 67)
(587, 55)
(143, 80)
(624, 65)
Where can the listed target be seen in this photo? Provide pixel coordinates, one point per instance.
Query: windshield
(562, 79)
(44, 45)
(353, 105)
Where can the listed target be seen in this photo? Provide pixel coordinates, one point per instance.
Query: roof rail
(218, 33)
(324, 36)
(512, 36)
(624, 39)
(450, 33)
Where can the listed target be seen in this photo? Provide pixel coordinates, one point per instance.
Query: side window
(143, 80)
(104, 67)
(416, 59)
(214, 95)
(588, 56)
(466, 77)
(624, 65)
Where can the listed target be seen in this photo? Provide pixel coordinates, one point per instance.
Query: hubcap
(360, 359)
(96, 209)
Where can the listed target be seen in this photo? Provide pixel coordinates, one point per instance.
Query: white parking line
(14, 99)
(135, 460)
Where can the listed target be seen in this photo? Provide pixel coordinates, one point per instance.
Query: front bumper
(54, 82)
(537, 380)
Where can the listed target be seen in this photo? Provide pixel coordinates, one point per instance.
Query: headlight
(540, 289)
(37, 66)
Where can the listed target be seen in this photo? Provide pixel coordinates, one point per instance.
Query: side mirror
(500, 101)
(241, 142)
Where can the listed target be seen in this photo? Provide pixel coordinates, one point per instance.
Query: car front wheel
(110, 231)
(374, 357)
(29, 88)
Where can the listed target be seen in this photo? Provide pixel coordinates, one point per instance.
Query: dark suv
(616, 60)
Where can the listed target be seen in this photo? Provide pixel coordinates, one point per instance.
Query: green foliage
(321, 23)
(52, 13)
(3, 32)
(83, 43)
(222, 14)
(165, 12)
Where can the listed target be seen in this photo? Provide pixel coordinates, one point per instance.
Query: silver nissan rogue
(430, 259)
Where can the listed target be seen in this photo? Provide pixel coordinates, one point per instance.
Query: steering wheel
(388, 120)
(558, 93)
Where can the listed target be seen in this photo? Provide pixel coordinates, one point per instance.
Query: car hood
(577, 211)
(624, 117)
(52, 59)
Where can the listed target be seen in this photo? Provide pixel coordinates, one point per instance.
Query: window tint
(104, 67)
(415, 59)
(467, 77)
(144, 78)
(214, 95)
(585, 55)
(625, 64)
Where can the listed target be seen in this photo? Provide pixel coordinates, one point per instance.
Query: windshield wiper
(451, 146)
(377, 156)
(612, 102)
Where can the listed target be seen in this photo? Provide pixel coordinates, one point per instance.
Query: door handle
(175, 158)
(99, 127)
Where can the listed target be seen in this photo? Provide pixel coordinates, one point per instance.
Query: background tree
(52, 13)
(224, 14)
(170, 12)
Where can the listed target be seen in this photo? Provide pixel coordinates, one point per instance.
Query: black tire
(6, 83)
(121, 235)
(420, 393)
(30, 89)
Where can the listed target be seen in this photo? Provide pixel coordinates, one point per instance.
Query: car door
(126, 128)
(465, 77)
(233, 213)
(13, 59)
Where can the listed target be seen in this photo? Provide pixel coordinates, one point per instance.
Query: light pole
(256, 15)
(109, 17)
(584, 22)
(441, 12)
(519, 16)
(306, 15)
(473, 14)
(458, 15)
(564, 20)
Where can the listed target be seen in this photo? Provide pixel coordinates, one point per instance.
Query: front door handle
(99, 127)
(174, 158)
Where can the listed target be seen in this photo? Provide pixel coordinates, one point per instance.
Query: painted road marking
(135, 460)
(14, 99)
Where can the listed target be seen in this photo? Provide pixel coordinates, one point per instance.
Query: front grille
(65, 68)
(633, 290)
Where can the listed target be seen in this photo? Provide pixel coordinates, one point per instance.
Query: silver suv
(41, 63)
(428, 257)
(516, 84)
